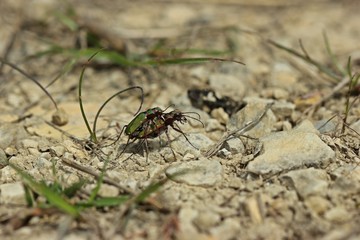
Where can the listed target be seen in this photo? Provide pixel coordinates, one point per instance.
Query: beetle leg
(169, 141)
(177, 128)
(146, 149)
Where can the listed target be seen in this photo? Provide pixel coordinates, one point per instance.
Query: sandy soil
(299, 184)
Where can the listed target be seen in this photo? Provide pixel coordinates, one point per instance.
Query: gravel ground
(270, 158)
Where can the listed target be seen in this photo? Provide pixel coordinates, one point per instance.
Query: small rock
(251, 112)
(187, 230)
(188, 156)
(228, 229)
(338, 215)
(235, 146)
(43, 163)
(12, 193)
(283, 109)
(47, 156)
(290, 150)
(203, 172)
(198, 140)
(10, 151)
(58, 150)
(107, 190)
(220, 115)
(213, 125)
(326, 126)
(317, 204)
(44, 145)
(60, 117)
(307, 182)
(33, 151)
(206, 219)
(276, 93)
(30, 143)
(286, 126)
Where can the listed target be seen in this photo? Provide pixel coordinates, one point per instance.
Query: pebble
(11, 151)
(326, 126)
(107, 190)
(292, 149)
(198, 140)
(43, 163)
(276, 93)
(317, 204)
(228, 229)
(188, 230)
(60, 117)
(206, 219)
(307, 182)
(220, 115)
(12, 193)
(283, 109)
(213, 125)
(58, 150)
(203, 172)
(235, 146)
(254, 108)
(29, 143)
(338, 214)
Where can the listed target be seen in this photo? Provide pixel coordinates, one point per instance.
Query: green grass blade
(42, 189)
(74, 188)
(92, 134)
(29, 197)
(104, 202)
(113, 96)
(170, 61)
(67, 21)
(149, 190)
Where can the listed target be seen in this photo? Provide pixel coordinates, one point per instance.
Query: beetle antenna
(171, 105)
(196, 119)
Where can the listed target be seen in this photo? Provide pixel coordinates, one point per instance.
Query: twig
(214, 149)
(92, 172)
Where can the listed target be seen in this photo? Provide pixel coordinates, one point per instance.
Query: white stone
(12, 193)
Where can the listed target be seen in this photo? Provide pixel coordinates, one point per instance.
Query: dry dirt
(229, 199)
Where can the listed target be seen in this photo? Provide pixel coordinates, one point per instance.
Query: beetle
(154, 122)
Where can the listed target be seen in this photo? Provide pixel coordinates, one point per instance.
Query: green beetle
(153, 122)
(136, 126)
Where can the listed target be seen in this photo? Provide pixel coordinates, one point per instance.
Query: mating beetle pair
(154, 122)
